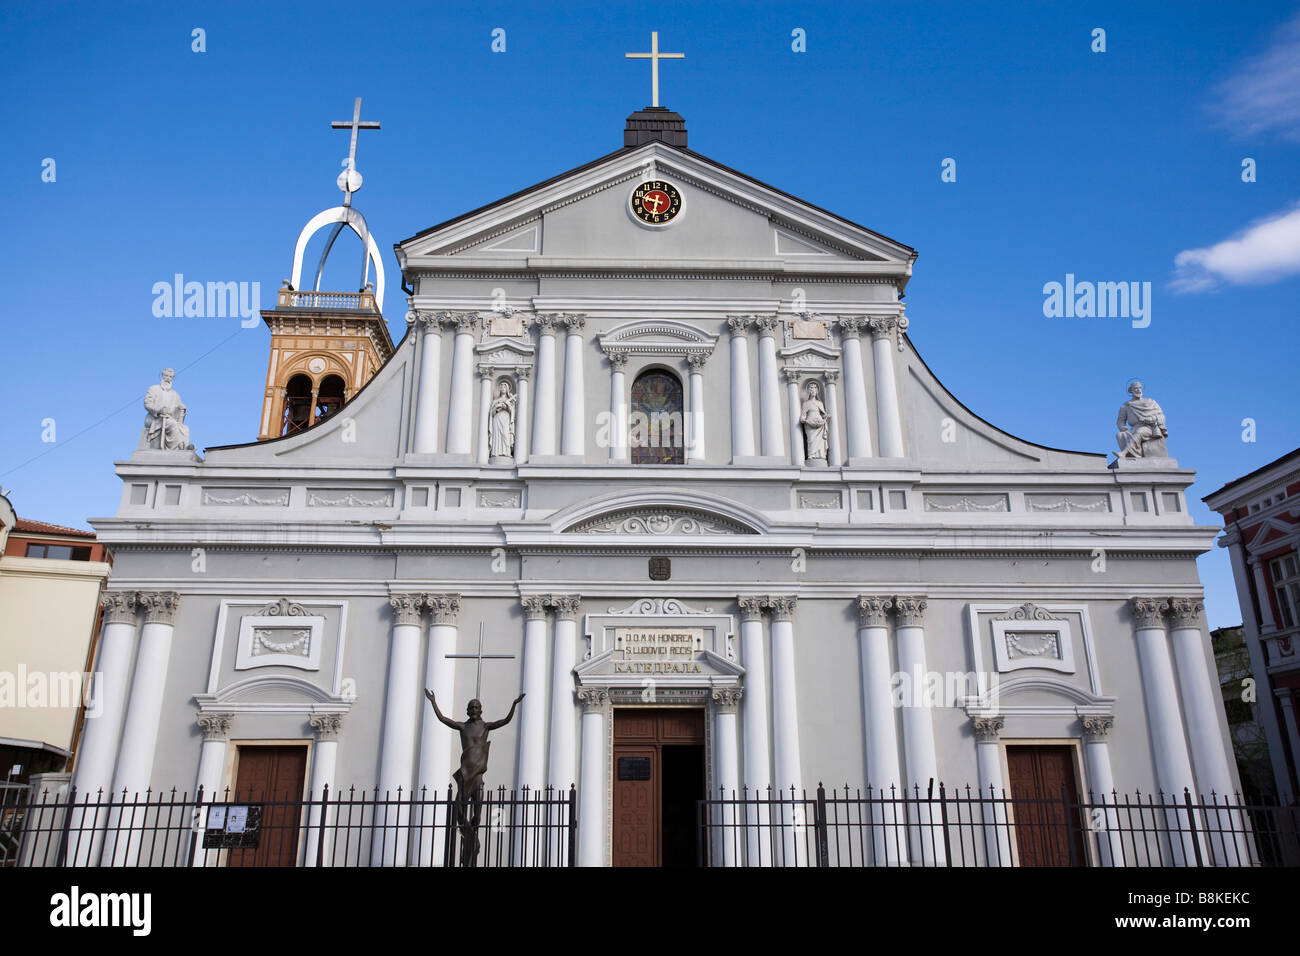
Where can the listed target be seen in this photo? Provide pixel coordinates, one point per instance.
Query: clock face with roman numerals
(656, 202)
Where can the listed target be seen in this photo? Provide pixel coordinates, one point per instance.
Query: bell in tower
(325, 345)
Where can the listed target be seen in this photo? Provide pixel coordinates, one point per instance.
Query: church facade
(656, 431)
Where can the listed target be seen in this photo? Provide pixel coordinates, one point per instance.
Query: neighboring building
(656, 428)
(1261, 516)
(50, 582)
(1240, 705)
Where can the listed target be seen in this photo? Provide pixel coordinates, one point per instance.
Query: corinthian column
(879, 729)
(788, 771)
(834, 451)
(727, 829)
(212, 761)
(918, 724)
(618, 423)
(485, 373)
(436, 740)
(100, 740)
(758, 760)
(460, 405)
(531, 766)
(426, 408)
(564, 712)
(591, 793)
(855, 388)
(796, 429)
(544, 410)
(324, 765)
(695, 424)
(575, 415)
(889, 422)
(742, 396)
(144, 711)
(521, 415)
(401, 717)
(769, 388)
(988, 760)
(1101, 787)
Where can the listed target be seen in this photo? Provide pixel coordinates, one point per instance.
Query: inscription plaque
(634, 768)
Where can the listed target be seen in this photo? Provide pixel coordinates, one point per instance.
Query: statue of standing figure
(1142, 426)
(816, 424)
(474, 746)
(164, 426)
(501, 414)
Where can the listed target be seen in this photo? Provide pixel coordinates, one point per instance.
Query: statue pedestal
(501, 460)
(1145, 464)
(154, 456)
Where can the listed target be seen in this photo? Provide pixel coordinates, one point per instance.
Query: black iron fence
(969, 827)
(344, 828)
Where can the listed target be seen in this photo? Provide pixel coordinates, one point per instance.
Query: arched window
(657, 426)
(329, 399)
(297, 405)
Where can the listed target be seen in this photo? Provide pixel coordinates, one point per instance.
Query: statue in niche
(816, 424)
(1142, 426)
(164, 425)
(501, 418)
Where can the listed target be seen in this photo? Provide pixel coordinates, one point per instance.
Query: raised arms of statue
(453, 724)
(494, 724)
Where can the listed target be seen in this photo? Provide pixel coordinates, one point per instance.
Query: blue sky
(1104, 165)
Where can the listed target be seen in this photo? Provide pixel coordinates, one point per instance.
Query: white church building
(657, 432)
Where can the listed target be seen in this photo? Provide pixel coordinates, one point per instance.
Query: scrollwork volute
(1148, 612)
(1097, 727)
(911, 610)
(406, 608)
(1185, 612)
(988, 729)
(160, 607)
(119, 606)
(873, 610)
(444, 608)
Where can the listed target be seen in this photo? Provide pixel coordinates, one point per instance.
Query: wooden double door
(1047, 832)
(271, 777)
(659, 775)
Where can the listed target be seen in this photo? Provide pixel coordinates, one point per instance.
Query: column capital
(726, 700)
(910, 609)
(1097, 727)
(697, 361)
(524, 373)
(594, 700)
(215, 726)
(988, 729)
(873, 610)
(781, 605)
(1186, 612)
(792, 375)
(832, 375)
(464, 321)
(548, 322)
(575, 322)
(751, 607)
(851, 326)
(326, 726)
(119, 606)
(159, 606)
(535, 606)
(429, 322)
(487, 371)
(767, 325)
(881, 326)
(1148, 612)
(566, 606)
(739, 325)
(617, 359)
(445, 608)
(406, 608)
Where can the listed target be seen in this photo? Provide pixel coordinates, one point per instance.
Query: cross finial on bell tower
(654, 56)
(350, 180)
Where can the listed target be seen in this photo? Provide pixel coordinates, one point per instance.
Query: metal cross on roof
(350, 179)
(480, 657)
(654, 56)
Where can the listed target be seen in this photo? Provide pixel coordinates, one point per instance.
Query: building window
(58, 552)
(1285, 572)
(656, 433)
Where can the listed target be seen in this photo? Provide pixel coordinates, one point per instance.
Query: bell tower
(325, 346)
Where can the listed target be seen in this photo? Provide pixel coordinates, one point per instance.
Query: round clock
(656, 202)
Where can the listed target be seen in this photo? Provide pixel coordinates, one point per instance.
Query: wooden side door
(636, 805)
(272, 777)
(1045, 835)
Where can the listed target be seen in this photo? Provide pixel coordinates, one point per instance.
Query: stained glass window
(656, 428)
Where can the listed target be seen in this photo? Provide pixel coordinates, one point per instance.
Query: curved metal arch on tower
(343, 216)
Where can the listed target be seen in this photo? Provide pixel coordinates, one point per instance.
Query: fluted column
(756, 743)
(564, 712)
(921, 767)
(460, 404)
(544, 410)
(324, 768)
(695, 425)
(879, 729)
(728, 835)
(1202, 702)
(993, 790)
(834, 450)
(101, 738)
(855, 388)
(531, 767)
(1101, 788)
(769, 388)
(522, 410)
(618, 450)
(1267, 623)
(215, 729)
(889, 422)
(1164, 720)
(485, 373)
(742, 396)
(591, 793)
(796, 429)
(397, 753)
(144, 711)
(426, 407)
(573, 438)
(787, 768)
(437, 741)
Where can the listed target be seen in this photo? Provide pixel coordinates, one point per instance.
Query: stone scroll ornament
(164, 425)
(1141, 425)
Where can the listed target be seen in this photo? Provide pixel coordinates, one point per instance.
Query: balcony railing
(329, 301)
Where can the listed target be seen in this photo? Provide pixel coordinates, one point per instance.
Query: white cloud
(1265, 251)
(1264, 95)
